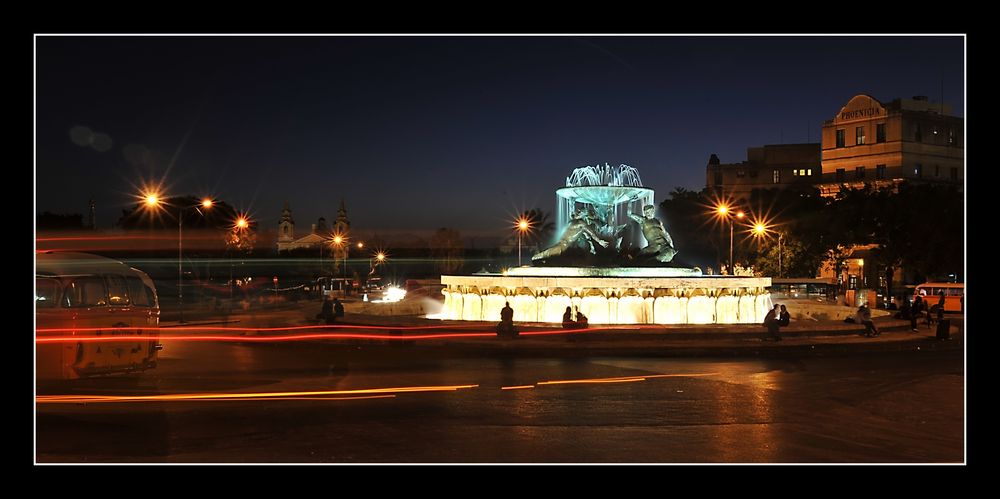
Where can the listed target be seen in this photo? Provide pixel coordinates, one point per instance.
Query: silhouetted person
(918, 304)
(568, 319)
(506, 326)
(581, 320)
(864, 316)
(338, 308)
(784, 318)
(326, 313)
(904, 310)
(772, 321)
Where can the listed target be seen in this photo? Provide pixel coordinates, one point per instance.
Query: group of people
(506, 329)
(569, 323)
(776, 318)
(331, 310)
(920, 306)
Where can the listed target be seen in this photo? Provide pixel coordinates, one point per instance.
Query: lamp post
(153, 200)
(727, 213)
(759, 230)
(239, 225)
(780, 273)
(339, 241)
(523, 225)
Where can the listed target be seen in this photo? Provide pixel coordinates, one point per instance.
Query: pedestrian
(506, 326)
(864, 317)
(772, 321)
(915, 312)
(326, 313)
(567, 322)
(581, 320)
(338, 308)
(904, 310)
(784, 318)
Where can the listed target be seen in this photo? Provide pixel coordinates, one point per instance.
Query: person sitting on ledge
(568, 322)
(506, 326)
(581, 320)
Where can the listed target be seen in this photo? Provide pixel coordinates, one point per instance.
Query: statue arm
(636, 218)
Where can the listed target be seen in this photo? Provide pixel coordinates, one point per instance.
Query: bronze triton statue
(578, 232)
(660, 246)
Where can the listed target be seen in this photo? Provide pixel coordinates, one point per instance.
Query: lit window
(859, 135)
(809, 172)
(795, 173)
(918, 170)
(776, 176)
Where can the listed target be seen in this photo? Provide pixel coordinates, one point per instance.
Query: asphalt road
(898, 407)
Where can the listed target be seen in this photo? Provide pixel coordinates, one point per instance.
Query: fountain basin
(639, 295)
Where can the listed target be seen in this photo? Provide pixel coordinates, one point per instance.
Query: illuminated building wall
(885, 144)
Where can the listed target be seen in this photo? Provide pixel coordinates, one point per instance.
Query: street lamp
(152, 200)
(339, 240)
(239, 226)
(726, 212)
(523, 225)
(761, 229)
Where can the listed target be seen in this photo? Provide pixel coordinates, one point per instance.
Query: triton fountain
(612, 264)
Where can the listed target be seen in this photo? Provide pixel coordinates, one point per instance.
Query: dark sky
(416, 133)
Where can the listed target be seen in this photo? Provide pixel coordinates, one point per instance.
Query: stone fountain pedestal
(617, 295)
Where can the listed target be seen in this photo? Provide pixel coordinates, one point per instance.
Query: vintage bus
(954, 295)
(99, 296)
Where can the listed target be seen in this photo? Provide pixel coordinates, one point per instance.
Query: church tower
(342, 226)
(286, 227)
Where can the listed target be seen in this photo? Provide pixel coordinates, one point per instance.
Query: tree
(53, 221)
(542, 229)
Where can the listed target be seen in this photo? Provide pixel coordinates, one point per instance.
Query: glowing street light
(153, 201)
(760, 229)
(725, 212)
(523, 225)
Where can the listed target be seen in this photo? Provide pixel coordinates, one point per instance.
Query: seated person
(506, 325)
(581, 320)
(567, 320)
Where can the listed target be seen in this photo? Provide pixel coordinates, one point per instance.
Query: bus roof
(941, 285)
(71, 263)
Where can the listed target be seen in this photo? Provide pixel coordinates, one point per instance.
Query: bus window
(86, 292)
(46, 292)
(138, 292)
(117, 291)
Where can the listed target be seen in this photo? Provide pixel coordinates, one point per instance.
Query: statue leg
(666, 255)
(556, 250)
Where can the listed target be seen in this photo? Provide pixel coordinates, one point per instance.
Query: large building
(318, 236)
(778, 166)
(868, 142)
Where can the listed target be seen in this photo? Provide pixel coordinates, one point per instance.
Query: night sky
(416, 133)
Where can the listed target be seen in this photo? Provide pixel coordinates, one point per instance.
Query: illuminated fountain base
(653, 295)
